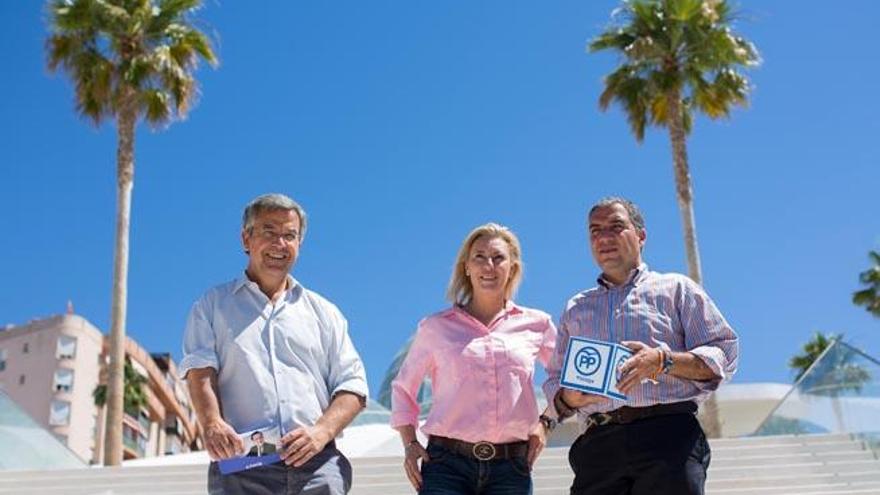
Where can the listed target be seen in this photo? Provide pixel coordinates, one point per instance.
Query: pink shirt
(481, 377)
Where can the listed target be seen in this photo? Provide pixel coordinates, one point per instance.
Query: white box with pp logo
(587, 365)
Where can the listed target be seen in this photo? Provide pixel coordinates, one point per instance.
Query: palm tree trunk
(684, 192)
(116, 372)
(709, 417)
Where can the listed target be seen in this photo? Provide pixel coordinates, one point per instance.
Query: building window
(63, 380)
(21, 380)
(172, 445)
(59, 415)
(2, 359)
(66, 347)
(25, 349)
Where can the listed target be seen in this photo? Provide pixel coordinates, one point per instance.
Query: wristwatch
(563, 410)
(668, 363)
(548, 422)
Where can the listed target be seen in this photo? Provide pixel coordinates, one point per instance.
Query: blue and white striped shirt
(666, 310)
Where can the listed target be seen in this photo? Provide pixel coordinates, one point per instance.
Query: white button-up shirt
(278, 363)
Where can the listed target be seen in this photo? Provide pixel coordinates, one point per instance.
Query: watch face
(667, 363)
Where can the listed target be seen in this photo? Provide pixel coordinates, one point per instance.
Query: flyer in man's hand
(593, 366)
(261, 448)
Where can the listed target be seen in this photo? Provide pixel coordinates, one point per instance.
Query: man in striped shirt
(650, 443)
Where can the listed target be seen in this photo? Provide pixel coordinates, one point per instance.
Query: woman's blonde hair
(460, 291)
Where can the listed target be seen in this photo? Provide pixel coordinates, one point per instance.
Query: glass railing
(137, 445)
(839, 393)
(144, 422)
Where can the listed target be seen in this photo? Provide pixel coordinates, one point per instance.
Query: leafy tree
(128, 60)
(134, 394)
(678, 57)
(869, 297)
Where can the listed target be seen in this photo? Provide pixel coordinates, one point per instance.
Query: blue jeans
(449, 473)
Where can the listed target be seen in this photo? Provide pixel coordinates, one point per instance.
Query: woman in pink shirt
(483, 427)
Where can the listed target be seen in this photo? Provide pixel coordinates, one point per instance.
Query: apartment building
(166, 425)
(51, 367)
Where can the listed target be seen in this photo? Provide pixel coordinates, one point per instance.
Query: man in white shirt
(263, 352)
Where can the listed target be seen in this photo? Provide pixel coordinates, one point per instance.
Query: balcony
(140, 419)
(133, 441)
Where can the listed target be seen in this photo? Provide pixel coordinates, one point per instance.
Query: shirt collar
(510, 309)
(636, 275)
(245, 281)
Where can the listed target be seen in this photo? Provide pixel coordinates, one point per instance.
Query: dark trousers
(661, 455)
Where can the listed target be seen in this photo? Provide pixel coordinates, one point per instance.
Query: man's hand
(537, 441)
(644, 364)
(412, 454)
(221, 441)
(303, 443)
(575, 399)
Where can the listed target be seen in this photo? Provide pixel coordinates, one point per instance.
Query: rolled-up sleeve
(708, 335)
(405, 387)
(548, 343)
(199, 339)
(347, 373)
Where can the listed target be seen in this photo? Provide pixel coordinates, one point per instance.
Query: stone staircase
(777, 465)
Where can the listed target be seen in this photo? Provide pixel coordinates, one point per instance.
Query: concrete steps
(780, 465)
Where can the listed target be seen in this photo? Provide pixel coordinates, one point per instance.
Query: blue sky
(402, 125)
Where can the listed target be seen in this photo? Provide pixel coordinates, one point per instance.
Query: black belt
(483, 451)
(624, 415)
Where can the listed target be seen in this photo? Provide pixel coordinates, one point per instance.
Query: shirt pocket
(520, 353)
(454, 363)
(647, 323)
(522, 348)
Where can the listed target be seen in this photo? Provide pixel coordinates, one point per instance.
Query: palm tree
(869, 297)
(678, 56)
(128, 60)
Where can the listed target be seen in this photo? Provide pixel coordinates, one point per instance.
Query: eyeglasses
(268, 234)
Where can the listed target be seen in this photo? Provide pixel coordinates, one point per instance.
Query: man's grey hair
(635, 214)
(272, 202)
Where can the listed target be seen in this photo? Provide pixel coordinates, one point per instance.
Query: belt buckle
(601, 419)
(484, 451)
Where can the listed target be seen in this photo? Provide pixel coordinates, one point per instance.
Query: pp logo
(587, 361)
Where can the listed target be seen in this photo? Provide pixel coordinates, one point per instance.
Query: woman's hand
(412, 453)
(537, 441)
